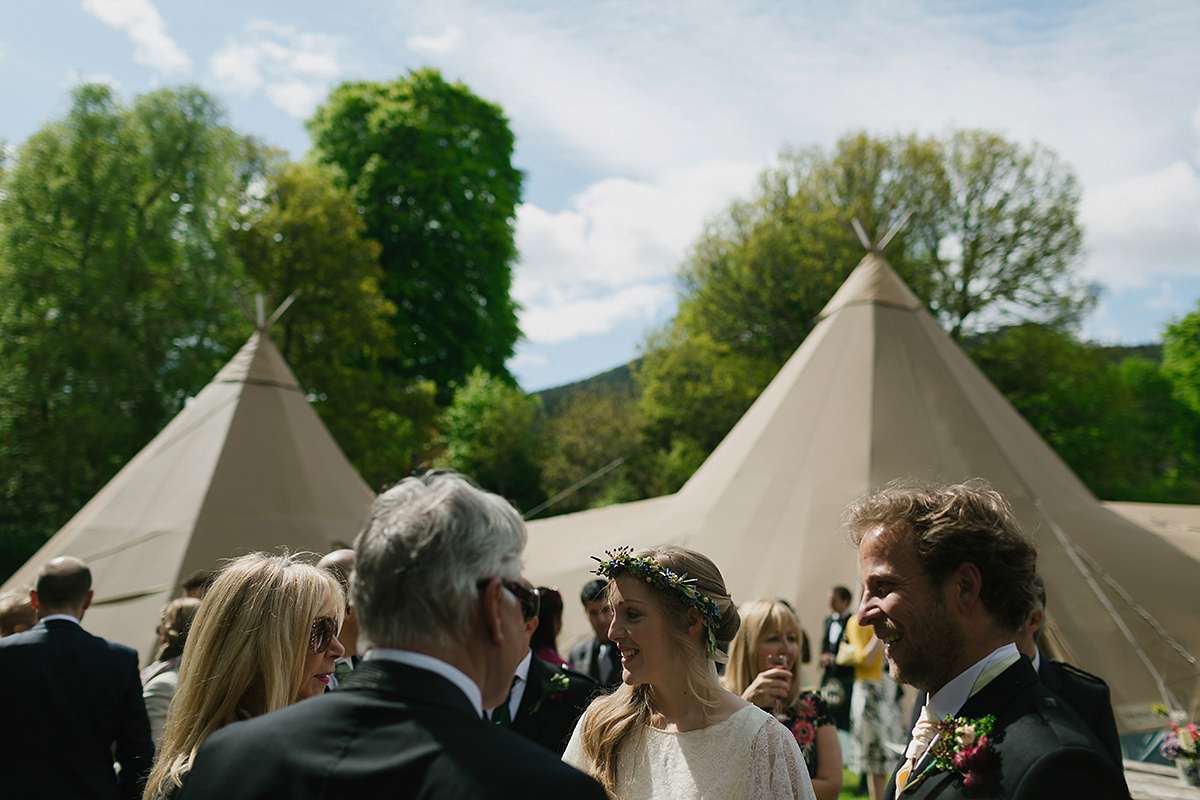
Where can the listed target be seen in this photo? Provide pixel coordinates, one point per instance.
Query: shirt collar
(1037, 660)
(431, 664)
(68, 617)
(523, 668)
(947, 701)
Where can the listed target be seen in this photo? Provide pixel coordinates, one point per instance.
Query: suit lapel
(533, 688)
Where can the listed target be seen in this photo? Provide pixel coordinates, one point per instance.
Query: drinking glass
(778, 660)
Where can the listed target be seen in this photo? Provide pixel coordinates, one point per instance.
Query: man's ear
(1036, 620)
(491, 609)
(33, 598)
(965, 585)
(531, 625)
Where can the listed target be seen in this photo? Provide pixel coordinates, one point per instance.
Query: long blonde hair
(244, 655)
(760, 618)
(611, 720)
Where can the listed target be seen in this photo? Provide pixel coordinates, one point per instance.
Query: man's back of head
(64, 586)
(428, 543)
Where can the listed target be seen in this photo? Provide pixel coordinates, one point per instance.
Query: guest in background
(837, 681)
(265, 637)
(545, 699)
(770, 633)
(597, 657)
(16, 613)
(70, 702)
(161, 677)
(197, 583)
(340, 564)
(875, 717)
(544, 640)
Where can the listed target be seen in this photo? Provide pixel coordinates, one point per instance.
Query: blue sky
(637, 121)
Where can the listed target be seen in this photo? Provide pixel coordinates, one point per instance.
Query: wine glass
(778, 660)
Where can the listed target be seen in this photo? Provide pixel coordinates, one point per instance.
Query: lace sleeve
(776, 769)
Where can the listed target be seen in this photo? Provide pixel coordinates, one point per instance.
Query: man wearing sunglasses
(546, 700)
(442, 618)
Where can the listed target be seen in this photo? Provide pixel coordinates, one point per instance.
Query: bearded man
(948, 579)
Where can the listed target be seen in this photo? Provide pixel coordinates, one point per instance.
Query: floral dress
(809, 713)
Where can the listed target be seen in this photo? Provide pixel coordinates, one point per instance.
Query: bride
(670, 730)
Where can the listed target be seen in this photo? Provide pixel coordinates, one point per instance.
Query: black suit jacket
(390, 731)
(547, 715)
(1088, 696)
(1040, 749)
(70, 704)
(585, 657)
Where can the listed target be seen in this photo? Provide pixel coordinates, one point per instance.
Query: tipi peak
(872, 281)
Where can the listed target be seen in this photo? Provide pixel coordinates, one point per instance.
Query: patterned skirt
(874, 720)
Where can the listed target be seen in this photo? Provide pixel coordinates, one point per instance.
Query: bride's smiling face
(641, 631)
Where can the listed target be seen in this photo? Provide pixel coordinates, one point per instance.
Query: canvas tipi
(879, 392)
(246, 466)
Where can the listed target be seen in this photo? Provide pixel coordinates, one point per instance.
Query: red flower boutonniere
(552, 689)
(962, 746)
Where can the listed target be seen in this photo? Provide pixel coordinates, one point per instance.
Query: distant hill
(617, 377)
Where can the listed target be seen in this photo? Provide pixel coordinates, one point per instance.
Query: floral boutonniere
(553, 688)
(962, 746)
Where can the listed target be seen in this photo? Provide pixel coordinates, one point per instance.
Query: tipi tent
(878, 392)
(246, 466)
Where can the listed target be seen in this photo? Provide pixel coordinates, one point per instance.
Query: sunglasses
(324, 630)
(528, 598)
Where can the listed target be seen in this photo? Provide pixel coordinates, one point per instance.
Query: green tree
(1181, 358)
(585, 433)
(489, 433)
(430, 166)
(297, 232)
(114, 293)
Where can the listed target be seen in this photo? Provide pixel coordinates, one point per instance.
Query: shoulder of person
(1076, 672)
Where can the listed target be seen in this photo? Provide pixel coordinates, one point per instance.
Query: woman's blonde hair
(759, 619)
(611, 720)
(244, 654)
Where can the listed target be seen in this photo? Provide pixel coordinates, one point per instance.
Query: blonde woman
(671, 729)
(762, 669)
(265, 637)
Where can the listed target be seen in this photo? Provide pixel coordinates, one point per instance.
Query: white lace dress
(747, 756)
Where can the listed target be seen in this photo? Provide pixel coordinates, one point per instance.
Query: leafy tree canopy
(430, 166)
(115, 278)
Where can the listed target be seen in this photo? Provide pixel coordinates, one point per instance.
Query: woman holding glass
(265, 637)
(763, 669)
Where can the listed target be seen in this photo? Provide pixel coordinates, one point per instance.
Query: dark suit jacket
(553, 721)
(843, 674)
(390, 731)
(67, 699)
(1040, 749)
(1088, 696)
(585, 657)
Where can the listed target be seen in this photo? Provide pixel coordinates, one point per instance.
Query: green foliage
(1181, 358)
(1117, 426)
(489, 432)
(297, 232)
(430, 166)
(114, 294)
(585, 432)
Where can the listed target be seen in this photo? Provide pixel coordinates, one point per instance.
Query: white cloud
(1145, 226)
(141, 20)
(293, 69)
(448, 40)
(612, 255)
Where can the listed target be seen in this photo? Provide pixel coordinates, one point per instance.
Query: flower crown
(660, 577)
